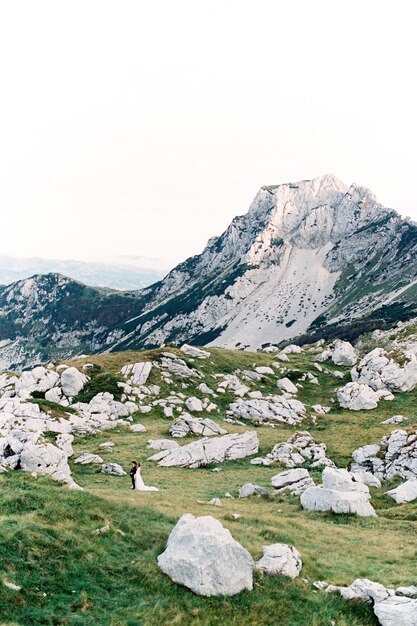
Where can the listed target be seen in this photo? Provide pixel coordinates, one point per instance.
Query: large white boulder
(202, 555)
(396, 611)
(339, 493)
(72, 381)
(344, 354)
(209, 450)
(353, 502)
(406, 492)
(280, 559)
(357, 397)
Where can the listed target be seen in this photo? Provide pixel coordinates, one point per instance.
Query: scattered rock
(87, 458)
(248, 489)
(396, 611)
(72, 381)
(273, 409)
(300, 448)
(137, 373)
(195, 353)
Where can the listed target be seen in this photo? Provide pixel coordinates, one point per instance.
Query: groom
(133, 470)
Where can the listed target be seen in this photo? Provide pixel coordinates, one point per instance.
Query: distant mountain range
(123, 273)
(309, 260)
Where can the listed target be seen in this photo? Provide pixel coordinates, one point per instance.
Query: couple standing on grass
(137, 481)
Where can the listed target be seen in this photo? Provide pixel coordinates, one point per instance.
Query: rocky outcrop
(275, 409)
(380, 372)
(300, 448)
(395, 455)
(209, 450)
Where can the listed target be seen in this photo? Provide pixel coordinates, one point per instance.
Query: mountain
(125, 273)
(311, 259)
(314, 259)
(51, 316)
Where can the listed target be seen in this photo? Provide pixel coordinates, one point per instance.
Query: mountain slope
(307, 258)
(52, 316)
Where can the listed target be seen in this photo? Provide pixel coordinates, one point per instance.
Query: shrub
(100, 383)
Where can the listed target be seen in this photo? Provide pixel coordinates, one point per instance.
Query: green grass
(71, 576)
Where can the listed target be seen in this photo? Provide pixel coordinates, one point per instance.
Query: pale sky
(143, 128)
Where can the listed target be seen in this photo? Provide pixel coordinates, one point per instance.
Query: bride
(139, 484)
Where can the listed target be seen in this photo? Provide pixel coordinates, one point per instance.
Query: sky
(142, 128)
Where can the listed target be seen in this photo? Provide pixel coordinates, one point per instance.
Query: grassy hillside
(69, 575)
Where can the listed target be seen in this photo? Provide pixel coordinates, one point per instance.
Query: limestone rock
(113, 469)
(300, 448)
(284, 384)
(248, 489)
(344, 354)
(162, 444)
(274, 409)
(380, 372)
(188, 425)
(357, 397)
(294, 480)
(396, 455)
(88, 459)
(72, 381)
(280, 559)
(202, 555)
(396, 611)
(209, 450)
(339, 494)
(137, 373)
(406, 492)
(195, 353)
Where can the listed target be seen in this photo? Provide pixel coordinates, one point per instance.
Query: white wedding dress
(140, 485)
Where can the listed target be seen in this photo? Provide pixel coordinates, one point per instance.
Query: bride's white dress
(140, 485)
